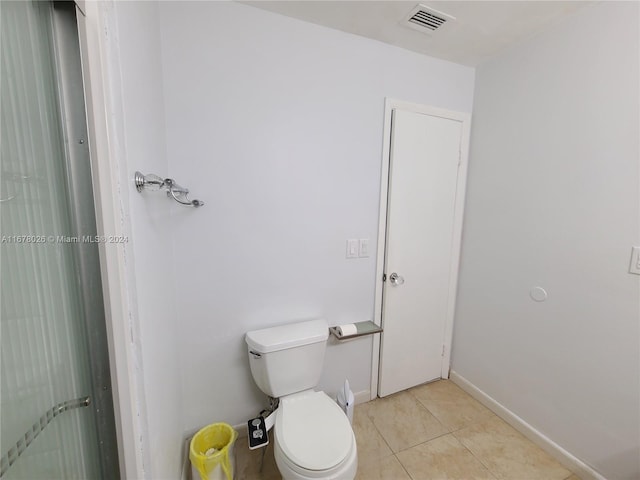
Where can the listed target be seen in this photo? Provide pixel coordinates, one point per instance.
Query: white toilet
(313, 437)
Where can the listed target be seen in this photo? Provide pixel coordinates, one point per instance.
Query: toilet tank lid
(288, 336)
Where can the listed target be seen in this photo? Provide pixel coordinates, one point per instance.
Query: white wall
(553, 201)
(277, 125)
(150, 214)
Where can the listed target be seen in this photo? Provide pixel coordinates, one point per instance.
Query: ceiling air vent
(426, 19)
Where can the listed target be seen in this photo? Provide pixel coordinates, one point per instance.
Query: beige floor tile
(403, 421)
(452, 406)
(371, 445)
(248, 462)
(508, 454)
(443, 458)
(573, 477)
(387, 468)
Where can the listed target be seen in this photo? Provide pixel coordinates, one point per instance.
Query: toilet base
(345, 471)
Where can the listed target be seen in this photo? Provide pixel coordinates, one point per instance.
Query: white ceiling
(481, 29)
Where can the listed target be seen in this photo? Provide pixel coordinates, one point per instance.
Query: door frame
(465, 118)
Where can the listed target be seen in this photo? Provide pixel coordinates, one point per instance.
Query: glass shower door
(50, 425)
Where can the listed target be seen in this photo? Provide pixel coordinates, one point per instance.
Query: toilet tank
(288, 358)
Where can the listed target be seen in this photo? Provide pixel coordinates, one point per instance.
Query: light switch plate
(634, 267)
(352, 248)
(364, 248)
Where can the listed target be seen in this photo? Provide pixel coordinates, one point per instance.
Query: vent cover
(427, 19)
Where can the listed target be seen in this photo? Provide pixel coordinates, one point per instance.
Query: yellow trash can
(211, 452)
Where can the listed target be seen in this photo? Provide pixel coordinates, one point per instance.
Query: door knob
(396, 279)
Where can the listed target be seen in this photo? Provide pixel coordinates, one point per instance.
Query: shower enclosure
(56, 407)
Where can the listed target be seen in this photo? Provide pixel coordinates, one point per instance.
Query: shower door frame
(66, 53)
(101, 75)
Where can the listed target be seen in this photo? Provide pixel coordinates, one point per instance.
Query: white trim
(362, 396)
(456, 246)
(570, 461)
(382, 235)
(104, 120)
(185, 473)
(465, 118)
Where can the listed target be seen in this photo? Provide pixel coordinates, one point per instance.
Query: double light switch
(357, 248)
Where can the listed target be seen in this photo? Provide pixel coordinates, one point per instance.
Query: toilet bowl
(314, 439)
(313, 436)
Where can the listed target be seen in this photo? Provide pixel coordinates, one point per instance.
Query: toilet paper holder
(362, 329)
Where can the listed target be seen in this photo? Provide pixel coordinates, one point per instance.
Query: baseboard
(584, 471)
(362, 396)
(242, 429)
(185, 474)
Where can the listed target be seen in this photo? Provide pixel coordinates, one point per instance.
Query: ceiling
(480, 30)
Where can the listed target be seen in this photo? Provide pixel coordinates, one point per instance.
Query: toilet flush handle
(255, 354)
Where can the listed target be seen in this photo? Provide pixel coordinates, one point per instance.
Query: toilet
(313, 437)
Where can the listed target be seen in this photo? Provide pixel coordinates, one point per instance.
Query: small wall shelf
(364, 328)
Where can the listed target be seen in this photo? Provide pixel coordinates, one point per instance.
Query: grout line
(491, 472)
(403, 467)
(452, 431)
(426, 407)
(435, 416)
(447, 432)
(485, 465)
(422, 404)
(377, 430)
(421, 443)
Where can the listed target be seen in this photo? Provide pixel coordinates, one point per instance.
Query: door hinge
(384, 277)
(443, 350)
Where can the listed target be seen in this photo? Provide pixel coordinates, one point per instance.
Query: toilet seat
(313, 432)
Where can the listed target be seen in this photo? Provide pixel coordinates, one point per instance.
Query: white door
(425, 154)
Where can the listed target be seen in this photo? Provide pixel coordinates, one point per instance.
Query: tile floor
(430, 432)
